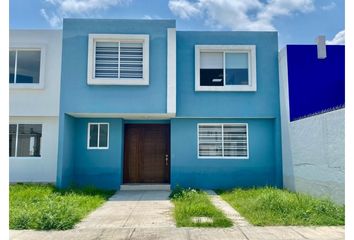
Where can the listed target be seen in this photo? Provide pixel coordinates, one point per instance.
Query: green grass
(270, 206)
(43, 207)
(194, 203)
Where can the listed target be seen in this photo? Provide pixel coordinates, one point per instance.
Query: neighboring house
(143, 104)
(34, 80)
(312, 103)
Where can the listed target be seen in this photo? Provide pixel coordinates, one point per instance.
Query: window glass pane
(93, 135)
(210, 140)
(236, 69)
(12, 59)
(12, 139)
(235, 140)
(103, 135)
(106, 60)
(29, 140)
(211, 69)
(28, 64)
(131, 60)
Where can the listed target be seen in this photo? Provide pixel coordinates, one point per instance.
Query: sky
(297, 21)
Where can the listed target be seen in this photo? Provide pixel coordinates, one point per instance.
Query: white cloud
(53, 20)
(339, 39)
(150, 17)
(183, 8)
(329, 6)
(240, 14)
(74, 8)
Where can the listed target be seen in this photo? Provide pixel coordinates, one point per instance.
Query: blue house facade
(142, 103)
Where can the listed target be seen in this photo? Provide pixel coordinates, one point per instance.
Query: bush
(183, 193)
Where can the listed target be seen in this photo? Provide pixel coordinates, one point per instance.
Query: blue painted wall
(103, 168)
(315, 85)
(262, 103)
(259, 170)
(99, 167)
(65, 164)
(261, 109)
(78, 96)
(75, 164)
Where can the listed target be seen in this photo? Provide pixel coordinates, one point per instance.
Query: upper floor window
(118, 59)
(225, 68)
(26, 67)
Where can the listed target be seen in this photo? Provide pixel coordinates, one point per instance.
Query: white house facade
(34, 90)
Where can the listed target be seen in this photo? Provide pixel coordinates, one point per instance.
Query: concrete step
(142, 187)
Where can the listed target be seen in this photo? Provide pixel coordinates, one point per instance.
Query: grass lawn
(270, 206)
(191, 203)
(43, 207)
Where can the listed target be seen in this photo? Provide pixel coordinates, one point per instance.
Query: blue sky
(297, 21)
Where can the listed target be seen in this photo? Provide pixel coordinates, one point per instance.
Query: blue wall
(103, 168)
(99, 167)
(112, 99)
(261, 109)
(259, 170)
(315, 85)
(66, 149)
(262, 103)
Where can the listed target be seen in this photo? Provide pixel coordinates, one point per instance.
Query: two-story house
(34, 81)
(142, 103)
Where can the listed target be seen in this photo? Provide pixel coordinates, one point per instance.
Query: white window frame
(30, 47)
(222, 136)
(252, 73)
(93, 38)
(16, 144)
(98, 135)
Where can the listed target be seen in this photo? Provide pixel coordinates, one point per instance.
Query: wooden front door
(147, 153)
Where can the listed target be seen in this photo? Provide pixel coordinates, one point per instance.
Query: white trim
(155, 116)
(129, 116)
(222, 132)
(93, 38)
(98, 135)
(171, 70)
(17, 123)
(16, 46)
(252, 69)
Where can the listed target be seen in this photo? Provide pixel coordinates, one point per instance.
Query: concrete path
(132, 209)
(147, 215)
(229, 211)
(172, 233)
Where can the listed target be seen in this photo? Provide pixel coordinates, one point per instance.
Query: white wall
(312, 148)
(41, 169)
(45, 101)
(38, 106)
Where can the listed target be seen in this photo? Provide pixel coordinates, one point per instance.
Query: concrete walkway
(132, 209)
(147, 215)
(229, 211)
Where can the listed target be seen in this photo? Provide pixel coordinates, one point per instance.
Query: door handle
(166, 159)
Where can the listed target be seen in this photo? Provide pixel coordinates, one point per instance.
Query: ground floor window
(98, 136)
(25, 140)
(222, 140)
